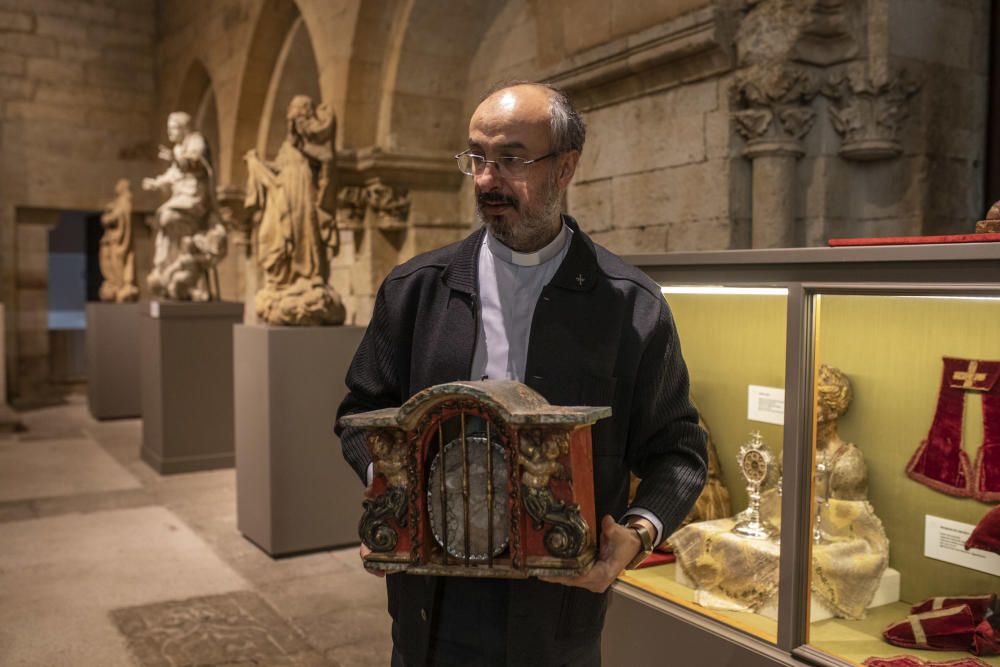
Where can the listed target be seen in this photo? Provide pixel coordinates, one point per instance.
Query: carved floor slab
(231, 629)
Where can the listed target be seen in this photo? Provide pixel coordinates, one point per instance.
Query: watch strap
(646, 542)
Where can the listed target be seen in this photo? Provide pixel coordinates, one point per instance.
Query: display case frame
(967, 269)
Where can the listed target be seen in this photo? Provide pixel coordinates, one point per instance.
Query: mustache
(496, 198)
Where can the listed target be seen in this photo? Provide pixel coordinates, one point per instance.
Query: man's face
(522, 213)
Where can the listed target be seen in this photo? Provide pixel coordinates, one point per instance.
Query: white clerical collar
(502, 252)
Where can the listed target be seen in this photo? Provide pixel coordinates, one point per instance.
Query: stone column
(773, 192)
(773, 114)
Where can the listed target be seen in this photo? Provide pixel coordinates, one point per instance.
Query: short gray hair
(567, 127)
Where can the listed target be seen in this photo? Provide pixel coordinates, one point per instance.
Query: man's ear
(567, 167)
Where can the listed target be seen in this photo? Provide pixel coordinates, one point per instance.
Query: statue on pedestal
(190, 235)
(117, 257)
(294, 199)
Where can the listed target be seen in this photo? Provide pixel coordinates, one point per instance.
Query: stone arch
(274, 22)
(295, 73)
(197, 98)
(427, 69)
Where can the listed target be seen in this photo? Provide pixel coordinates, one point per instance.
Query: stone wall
(77, 94)
(712, 123)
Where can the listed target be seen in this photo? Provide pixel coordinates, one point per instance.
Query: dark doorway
(74, 277)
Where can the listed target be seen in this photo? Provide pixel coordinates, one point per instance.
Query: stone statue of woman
(295, 199)
(117, 256)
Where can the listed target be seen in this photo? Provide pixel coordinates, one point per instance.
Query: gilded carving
(374, 529)
(539, 456)
(390, 454)
(867, 111)
(539, 463)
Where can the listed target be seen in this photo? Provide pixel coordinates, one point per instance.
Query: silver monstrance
(755, 460)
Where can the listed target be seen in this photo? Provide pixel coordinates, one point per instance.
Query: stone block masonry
(77, 91)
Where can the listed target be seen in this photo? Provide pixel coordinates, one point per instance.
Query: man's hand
(364, 551)
(165, 153)
(619, 545)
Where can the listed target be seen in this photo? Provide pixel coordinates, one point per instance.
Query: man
(530, 297)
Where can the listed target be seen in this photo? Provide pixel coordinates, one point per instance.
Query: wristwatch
(646, 542)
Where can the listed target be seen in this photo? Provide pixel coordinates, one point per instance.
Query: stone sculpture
(117, 256)
(294, 199)
(190, 236)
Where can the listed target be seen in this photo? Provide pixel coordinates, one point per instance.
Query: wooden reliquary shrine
(482, 479)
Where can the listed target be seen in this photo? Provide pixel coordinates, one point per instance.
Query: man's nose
(489, 177)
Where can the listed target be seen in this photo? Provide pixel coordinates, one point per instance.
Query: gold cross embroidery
(969, 377)
(580, 279)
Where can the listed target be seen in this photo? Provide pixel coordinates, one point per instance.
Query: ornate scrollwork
(374, 530)
(569, 533)
(538, 457)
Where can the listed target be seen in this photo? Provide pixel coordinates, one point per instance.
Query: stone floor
(104, 562)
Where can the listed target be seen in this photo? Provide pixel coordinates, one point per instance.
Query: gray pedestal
(113, 359)
(294, 490)
(187, 384)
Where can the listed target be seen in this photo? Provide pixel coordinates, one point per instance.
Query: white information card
(766, 404)
(945, 540)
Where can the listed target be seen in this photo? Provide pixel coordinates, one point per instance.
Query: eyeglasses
(472, 164)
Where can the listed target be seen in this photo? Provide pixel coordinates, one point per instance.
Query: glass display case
(866, 382)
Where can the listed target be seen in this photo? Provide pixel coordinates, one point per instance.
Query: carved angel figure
(295, 200)
(190, 237)
(539, 458)
(117, 256)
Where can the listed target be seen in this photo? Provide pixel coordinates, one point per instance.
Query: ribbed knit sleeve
(372, 384)
(667, 448)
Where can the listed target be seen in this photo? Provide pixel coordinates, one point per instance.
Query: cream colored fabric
(846, 566)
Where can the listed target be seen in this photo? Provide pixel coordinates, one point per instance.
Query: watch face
(754, 466)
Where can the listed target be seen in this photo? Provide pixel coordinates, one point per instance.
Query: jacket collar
(578, 271)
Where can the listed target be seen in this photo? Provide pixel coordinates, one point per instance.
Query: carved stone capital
(388, 206)
(351, 204)
(773, 105)
(234, 215)
(867, 112)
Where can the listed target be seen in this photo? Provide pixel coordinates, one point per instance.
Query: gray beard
(533, 231)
